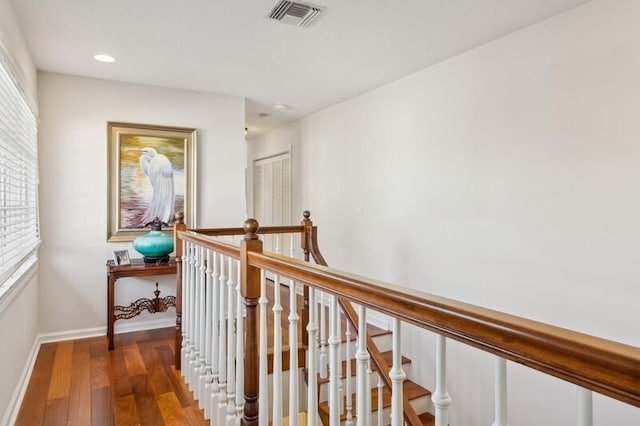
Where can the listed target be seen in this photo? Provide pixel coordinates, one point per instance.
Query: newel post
(250, 291)
(305, 244)
(177, 248)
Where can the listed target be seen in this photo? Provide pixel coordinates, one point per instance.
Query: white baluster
(293, 355)
(349, 408)
(277, 353)
(291, 251)
(500, 391)
(334, 375)
(186, 365)
(263, 390)
(324, 373)
(239, 348)
(362, 377)
(231, 339)
(585, 407)
(222, 346)
(312, 329)
(215, 318)
(193, 331)
(202, 324)
(205, 395)
(440, 397)
(380, 403)
(397, 375)
(185, 312)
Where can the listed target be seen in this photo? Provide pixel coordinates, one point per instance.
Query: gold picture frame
(151, 173)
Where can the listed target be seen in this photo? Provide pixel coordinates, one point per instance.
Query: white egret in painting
(158, 169)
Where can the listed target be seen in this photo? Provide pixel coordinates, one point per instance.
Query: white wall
(73, 149)
(19, 319)
(506, 177)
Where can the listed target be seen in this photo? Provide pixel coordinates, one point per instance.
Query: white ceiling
(231, 47)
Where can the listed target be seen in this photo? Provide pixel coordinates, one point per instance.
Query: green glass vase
(155, 245)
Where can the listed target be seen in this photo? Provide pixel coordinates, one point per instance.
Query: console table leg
(110, 307)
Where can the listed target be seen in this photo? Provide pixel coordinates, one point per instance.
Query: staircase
(419, 397)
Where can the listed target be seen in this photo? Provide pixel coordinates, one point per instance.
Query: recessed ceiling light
(103, 57)
(280, 106)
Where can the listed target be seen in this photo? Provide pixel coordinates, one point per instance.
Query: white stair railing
(215, 335)
(380, 387)
(192, 312)
(277, 353)
(197, 322)
(363, 390)
(397, 376)
(186, 311)
(263, 385)
(293, 355)
(221, 411)
(231, 341)
(334, 375)
(585, 407)
(348, 392)
(202, 325)
(500, 392)
(239, 345)
(208, 341)
(312, 356)
(441, 399)
(322, 359)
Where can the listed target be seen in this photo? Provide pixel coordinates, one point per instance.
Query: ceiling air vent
(295, 13)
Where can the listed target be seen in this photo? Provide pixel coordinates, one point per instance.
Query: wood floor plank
(35, 398)
(175, 377)
(61, 376)
(195, 417)
(80, 392)
(155, 370)
(172, 411)
(101, 407)
(118, 375)
(148, 411)
(56, 412)
(133, 360)
(99, 372)
(125, 411)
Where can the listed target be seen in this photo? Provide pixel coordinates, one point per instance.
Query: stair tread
(427, 419)
(387, 356)
(411, 389)
(302, 419)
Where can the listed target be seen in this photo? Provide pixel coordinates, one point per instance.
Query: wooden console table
(137, 268)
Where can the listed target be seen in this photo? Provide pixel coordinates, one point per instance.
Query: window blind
(19, 233)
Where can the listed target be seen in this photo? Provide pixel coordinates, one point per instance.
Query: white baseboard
(11, 414)
(149, 324)
(125, 327)
(13, 408)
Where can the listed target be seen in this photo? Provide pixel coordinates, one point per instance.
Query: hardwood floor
(81, 383)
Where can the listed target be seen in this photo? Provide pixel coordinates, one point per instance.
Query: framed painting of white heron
(151, 175)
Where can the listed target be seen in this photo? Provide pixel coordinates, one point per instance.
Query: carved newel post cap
(250, 228)
(179, 217)
(306, 214)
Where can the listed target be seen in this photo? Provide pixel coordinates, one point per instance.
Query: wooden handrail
(604, 366)
(210, 243)
(218, 232)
